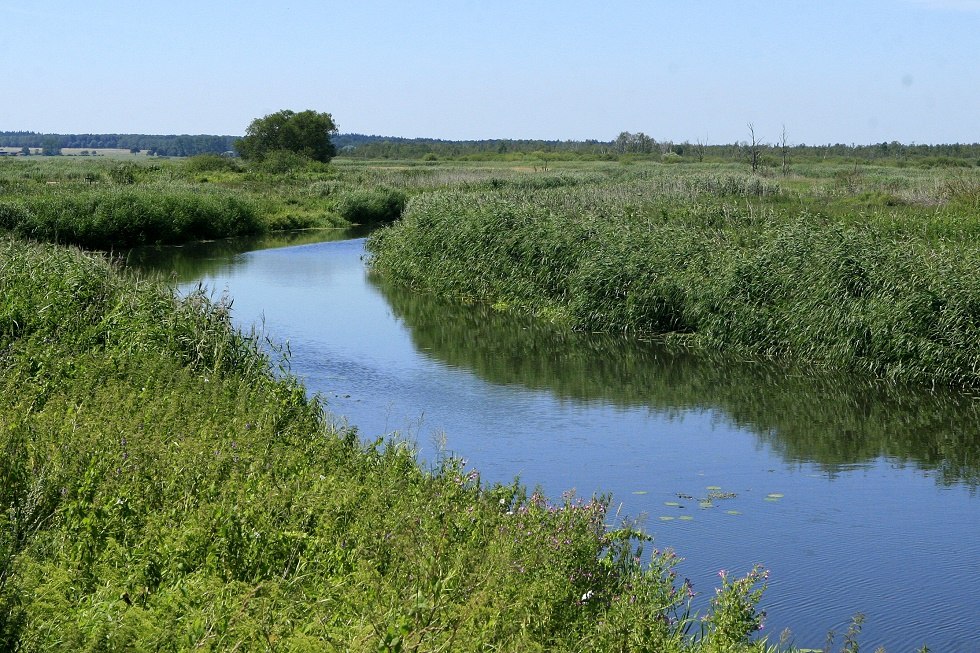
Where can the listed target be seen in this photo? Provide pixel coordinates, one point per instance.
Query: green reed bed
(725, 262)
(127, 217)
(109, 204)
(165, 485)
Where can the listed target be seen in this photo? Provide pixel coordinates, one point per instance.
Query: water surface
(857, 497)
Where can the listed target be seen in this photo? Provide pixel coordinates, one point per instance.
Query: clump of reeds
(889, 290)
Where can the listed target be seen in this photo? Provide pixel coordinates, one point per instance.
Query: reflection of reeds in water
(831, 419)
(192, 261)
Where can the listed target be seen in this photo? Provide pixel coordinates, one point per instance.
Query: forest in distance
(634, 145)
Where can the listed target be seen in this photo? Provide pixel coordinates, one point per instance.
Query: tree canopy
(306, 133)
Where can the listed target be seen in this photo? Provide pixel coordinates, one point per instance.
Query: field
(168, 486)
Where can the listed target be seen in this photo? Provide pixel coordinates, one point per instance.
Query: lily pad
(672, 504)
(775, 495)
(705, 504)
(686, 518)
(666, 518)
(712, 487)
(733, 512)
(639, 492)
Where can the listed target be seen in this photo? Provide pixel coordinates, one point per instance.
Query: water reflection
(196, 260)
(833, 421)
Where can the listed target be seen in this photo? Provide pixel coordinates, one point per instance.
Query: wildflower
(689, 587)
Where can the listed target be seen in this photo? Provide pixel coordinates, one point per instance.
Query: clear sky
(848, 71)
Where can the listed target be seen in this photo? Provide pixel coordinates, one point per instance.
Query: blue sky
(849, 71)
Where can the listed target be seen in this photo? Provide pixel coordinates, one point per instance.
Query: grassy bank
(164, 487)
(111, 204)
(868, 270)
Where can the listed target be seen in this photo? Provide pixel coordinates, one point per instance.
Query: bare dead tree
(699, 149)
(754, 146)
(784, 150)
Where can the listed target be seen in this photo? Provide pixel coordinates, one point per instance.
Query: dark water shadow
(834, 421)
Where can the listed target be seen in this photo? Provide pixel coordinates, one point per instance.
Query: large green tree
(306, 133)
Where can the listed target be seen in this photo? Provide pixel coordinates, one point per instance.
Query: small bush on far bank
(373, 206)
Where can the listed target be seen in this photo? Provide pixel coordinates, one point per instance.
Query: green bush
(280, 162)
(374, 206)
(118, 218)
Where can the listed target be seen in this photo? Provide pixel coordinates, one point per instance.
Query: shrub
(115, 217)
(280, 162)
(376, 206)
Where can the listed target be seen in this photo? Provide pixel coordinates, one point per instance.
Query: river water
(857, 498)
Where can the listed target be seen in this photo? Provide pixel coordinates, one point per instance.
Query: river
(858, 498)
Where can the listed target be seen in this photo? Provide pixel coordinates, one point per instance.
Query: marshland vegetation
(868, 269)
(168, 485)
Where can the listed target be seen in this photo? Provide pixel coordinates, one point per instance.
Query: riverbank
(863, 270)
(168, 487)
(112, 204)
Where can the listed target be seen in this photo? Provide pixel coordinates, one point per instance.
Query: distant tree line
(386, 147)
(631, 145)
(162, 145)
(641, 146)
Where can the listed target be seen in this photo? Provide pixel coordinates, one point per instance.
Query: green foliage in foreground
(164, 487)
(830, 275)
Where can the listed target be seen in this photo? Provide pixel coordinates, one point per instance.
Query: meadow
(168, 485)
(111, 203)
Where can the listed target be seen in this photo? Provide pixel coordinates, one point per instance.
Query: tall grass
(166, 487)
(124, 217)
(112, 204)
(726, 264)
